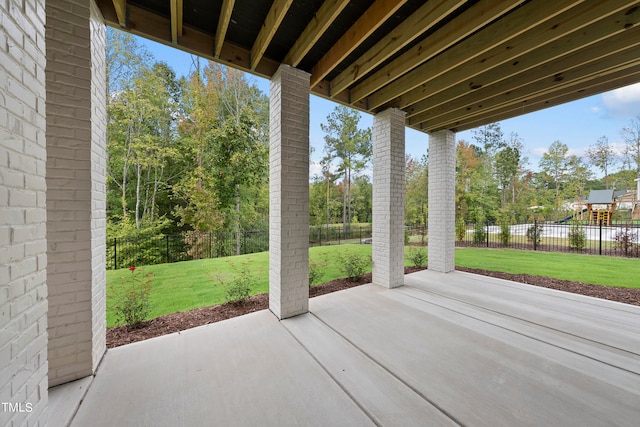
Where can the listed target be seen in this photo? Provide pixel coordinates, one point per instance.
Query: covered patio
(434, 348)
(444, 349)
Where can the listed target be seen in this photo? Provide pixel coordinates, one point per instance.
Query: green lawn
(192, 284)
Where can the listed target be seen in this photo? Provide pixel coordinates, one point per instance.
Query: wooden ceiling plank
(449, 34)
(176, 8)
(415, 25)
(322, 20)
(606, 83)
(272, 22)
(121, 10)
(501, 35)
(223, 25)
(370, 21)
(580, 46)
(537, 86)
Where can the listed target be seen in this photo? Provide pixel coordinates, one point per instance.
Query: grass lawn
(595, 269)
(192, 284)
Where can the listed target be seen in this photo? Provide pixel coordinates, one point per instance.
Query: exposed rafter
(176, 20)
(563, 95)
(574, 49)
(271, 24)
(223, 25)
(325, 16)
(121, 11)
(479, 45)
(371, 20)
(449, 64)
(542, 80)
(423, 19)
(479, 15)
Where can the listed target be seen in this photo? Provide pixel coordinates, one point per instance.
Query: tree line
(190, 155)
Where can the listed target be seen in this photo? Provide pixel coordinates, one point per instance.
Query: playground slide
(570, 217)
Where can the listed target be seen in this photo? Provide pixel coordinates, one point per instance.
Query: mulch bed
(176, 322)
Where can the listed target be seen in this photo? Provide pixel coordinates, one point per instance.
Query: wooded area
(190, 155)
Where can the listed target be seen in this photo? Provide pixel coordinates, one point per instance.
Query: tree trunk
(139, 179)
(237, 219)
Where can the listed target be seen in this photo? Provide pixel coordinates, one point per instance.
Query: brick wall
(388, 198)
(289, 193)
(23, 259)
(442, 196)
(76, 140)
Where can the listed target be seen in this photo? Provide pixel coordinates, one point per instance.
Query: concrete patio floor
(442, 350)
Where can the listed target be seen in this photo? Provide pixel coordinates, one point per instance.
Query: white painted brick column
(442, 196)
(76, 188)
(23, 245)
(289, 193)
(388, 198)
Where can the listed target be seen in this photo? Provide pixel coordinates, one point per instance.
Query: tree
(631, 137)
(350, 146)
(555, 163)
(416, 194)
(141, 135)
(602, 156)
(225, 152)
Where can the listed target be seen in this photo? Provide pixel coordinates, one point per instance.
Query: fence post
(600, 250)
(535, 234)
(115, 253)
(166, 244)
(487, 225)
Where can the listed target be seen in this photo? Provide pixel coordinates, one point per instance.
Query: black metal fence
(189, 246)
(620, 239)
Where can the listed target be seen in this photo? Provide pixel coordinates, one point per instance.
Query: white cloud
(623, 103)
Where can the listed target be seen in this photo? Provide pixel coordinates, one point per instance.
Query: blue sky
(577, 124)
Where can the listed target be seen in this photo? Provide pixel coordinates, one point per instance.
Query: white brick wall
(23, 259)
(442, 196)
(388, 198)
(289, 193)
(76, 141)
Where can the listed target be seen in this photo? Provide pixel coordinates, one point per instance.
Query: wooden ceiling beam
(153, 26)
(603, 84)
(321, 21)
(498, 40)
(411, 28)
(271, 24)
(474, 18)
(121, 11)
(544, 80)
(176, 8)
(370, 21)
(460, 91)
(223, 24)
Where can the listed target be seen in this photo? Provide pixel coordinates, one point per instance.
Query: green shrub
(418, 256)
(316, 272)
(407, 236)
(353, 266)
(534, 234)
(131, 298)
(237, 289)
(626, 241)
(577, 237)
(505, 234)
(479, 232)
(461, 229)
